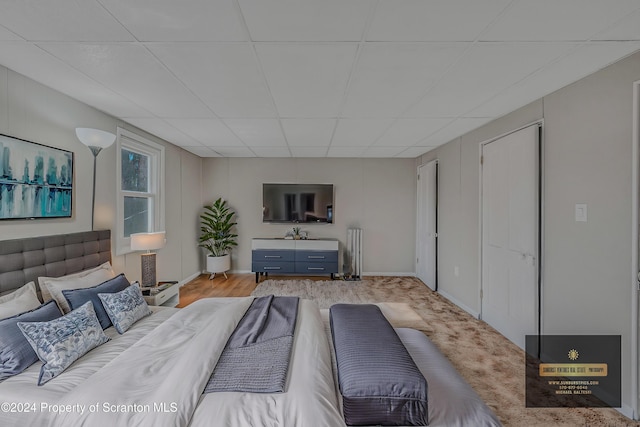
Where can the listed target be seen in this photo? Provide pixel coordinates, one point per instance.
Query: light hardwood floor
(236, 285)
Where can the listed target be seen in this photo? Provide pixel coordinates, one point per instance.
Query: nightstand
(169, 297)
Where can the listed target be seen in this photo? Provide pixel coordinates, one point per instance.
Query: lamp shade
(95, 137)
(147, 241)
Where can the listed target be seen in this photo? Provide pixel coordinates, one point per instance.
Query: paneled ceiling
(312, 78)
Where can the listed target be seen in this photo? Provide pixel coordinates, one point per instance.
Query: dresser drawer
(317, 256)
(273, 266)
(272, 255)
(316, 267)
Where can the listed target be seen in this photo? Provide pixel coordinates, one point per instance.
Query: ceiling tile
(131, 71)
(484, 70)
(271, 151)
(584, 60)
(278, 78)
(209, 132)
(257, 132)
(225, 76)
(557, 20)
(62, 20)
(308, 132)
(235, 151)
(383, 151)
(346, 151)
(306, 20)
(627, 28)
(202, 151)
(163, 130)
(309, 151)
(405, 132)
(307, 80)
(6, 35)
(457, 128)
(434, 20)
(359, 132)
(413, 152)
(31, 61)
(195, 20)
(391, 77)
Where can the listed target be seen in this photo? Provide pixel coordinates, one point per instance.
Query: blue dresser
(282, 256)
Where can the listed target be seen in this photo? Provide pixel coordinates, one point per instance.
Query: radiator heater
(354, 254)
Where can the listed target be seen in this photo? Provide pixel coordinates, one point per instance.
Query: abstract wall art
(36, 181)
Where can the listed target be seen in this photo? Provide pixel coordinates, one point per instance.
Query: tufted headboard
(24, 260)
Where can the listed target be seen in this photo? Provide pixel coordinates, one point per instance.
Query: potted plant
(216, 236)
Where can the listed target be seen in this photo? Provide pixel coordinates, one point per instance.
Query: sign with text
(573, 371)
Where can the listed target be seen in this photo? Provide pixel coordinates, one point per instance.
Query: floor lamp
(96, 140)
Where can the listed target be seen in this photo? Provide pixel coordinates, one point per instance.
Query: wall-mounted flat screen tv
(297, 203)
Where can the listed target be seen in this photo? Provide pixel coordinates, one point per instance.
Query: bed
(155, 372)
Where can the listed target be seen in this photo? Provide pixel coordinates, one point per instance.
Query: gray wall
(377, 195)
(588, 159)
(34, 112)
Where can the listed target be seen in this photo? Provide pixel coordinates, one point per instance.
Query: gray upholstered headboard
(24, 260)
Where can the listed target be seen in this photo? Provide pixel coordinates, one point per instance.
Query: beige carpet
(489, 362)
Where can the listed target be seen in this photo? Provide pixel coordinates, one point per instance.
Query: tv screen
(297, 203)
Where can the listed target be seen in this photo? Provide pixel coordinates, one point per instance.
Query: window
(140, 186)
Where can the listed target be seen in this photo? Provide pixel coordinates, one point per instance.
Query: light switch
(581, 212)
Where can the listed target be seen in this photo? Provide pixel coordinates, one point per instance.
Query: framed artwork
(36, 181)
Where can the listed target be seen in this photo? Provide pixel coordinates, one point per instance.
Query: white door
(510, 204)
(427, 224)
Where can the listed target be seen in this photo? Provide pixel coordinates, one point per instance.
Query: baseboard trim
(188, 279)
(626, 410)
(400, 274)
(460, 304)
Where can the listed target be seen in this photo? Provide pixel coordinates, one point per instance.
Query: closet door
(510, 210)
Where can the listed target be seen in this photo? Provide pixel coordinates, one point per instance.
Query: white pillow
(52, 287)
(46, 296)
(22, 300)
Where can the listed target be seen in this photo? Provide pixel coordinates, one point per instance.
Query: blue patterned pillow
(125, 307)
(77, 297)
(16, 353)
(60, 342)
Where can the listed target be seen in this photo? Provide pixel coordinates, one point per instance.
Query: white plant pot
(218, 264)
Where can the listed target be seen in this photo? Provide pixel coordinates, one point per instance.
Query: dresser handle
(315, 257)
(271, 268)
(315, 268)
(273, 256)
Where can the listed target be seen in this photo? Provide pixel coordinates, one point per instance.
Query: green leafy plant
(216, 225)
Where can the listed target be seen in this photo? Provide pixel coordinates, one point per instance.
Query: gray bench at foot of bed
(379, 381)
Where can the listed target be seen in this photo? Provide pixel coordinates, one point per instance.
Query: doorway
(427, 224)
(635, 250)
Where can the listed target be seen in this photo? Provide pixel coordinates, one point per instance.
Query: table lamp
(148, 242)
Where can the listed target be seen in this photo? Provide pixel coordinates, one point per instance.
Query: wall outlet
(456, 271)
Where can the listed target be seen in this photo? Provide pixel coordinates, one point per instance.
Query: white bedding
(154, 374)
